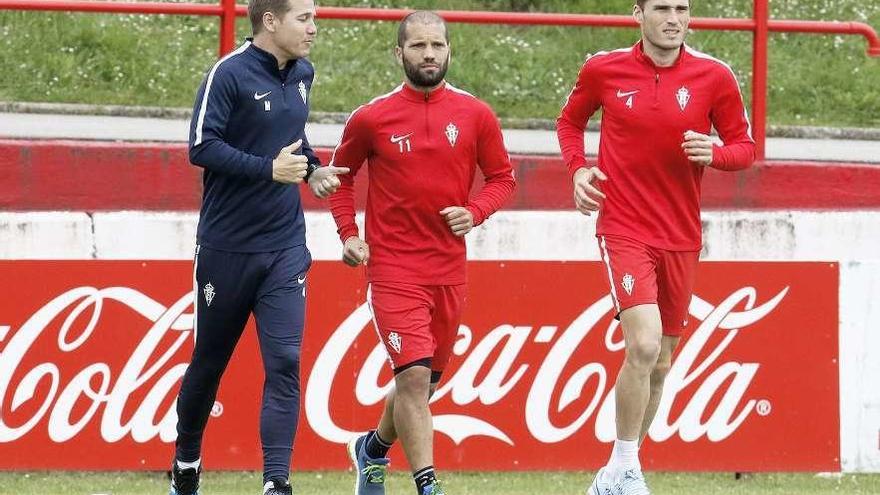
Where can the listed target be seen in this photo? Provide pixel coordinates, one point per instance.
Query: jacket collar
(638, 51)
(265, 58)
(421, 97)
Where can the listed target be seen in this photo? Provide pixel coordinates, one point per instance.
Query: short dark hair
(421, 17)
(641, 3)
(256, 9)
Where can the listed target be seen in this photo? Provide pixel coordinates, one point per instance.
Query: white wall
(852, 238)
(860, 365)
(521, 235)
(46, 235)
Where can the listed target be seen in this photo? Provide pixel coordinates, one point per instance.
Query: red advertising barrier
(102, 176)
(91, 355)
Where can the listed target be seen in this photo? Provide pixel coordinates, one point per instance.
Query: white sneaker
(631, 483)
(601, 485)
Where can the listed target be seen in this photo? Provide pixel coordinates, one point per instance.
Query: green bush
(521, 71)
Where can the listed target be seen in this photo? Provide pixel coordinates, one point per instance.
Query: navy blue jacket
(243, 115)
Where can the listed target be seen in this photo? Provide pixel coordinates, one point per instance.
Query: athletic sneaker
(184, 481)
(632, 483)
(370, 472)
(433, 489)
(277, 486)
(601, 485)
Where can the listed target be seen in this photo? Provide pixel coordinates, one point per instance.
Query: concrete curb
(797, 132)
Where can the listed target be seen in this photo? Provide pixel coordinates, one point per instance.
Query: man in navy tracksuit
(248, 135)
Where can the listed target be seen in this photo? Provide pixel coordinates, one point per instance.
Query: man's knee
(643, 351)
(664, 362)
(413, 382)
(661, 369)
(643, 328)
(284, 362)
(205, 369)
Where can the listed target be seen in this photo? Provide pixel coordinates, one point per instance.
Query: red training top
(653, 190)
(423, 151)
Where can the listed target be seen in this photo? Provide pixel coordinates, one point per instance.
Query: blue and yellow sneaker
(433, 489)
(370, 472)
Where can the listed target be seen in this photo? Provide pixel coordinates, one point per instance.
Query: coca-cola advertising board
(92, 353)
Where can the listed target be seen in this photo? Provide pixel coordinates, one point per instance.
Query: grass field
(521, 71)
(333, 483)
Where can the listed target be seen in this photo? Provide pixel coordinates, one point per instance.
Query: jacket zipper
(656, 89)
(284, 85)
(427, 123)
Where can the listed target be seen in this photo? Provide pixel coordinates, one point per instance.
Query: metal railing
(760, 25)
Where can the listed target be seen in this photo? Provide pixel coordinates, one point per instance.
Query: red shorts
(417, 323)
(641, 274)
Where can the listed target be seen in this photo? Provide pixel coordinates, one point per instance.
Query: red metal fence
(760, 25)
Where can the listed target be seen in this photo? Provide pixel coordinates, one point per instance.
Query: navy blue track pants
(228, 288)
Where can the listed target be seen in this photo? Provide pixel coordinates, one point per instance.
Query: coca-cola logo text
(505, 373)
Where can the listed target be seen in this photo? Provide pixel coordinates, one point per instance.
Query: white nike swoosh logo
(397, 139)
(300, 280)
(621, 94)
(258, 96)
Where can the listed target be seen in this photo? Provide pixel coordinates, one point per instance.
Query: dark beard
(423, 80)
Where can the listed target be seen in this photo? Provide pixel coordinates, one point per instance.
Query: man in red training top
(423, 143)
(660, 100)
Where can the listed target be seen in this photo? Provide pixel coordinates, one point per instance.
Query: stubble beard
(420, 79)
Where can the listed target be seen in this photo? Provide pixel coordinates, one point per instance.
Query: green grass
(538, 483)
(521, 71)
